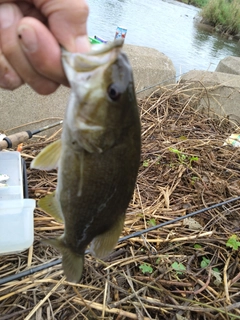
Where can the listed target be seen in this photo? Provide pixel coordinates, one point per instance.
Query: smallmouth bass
(97, 157)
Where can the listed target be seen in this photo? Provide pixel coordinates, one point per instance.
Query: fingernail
(10, 81)
(82, 44)
(6, 15)
(28, 38)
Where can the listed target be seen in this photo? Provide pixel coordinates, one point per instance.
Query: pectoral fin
(72, 262)
(49, 157)
(51, 205)
(103, 244)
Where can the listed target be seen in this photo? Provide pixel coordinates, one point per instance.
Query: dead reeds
(182, 271)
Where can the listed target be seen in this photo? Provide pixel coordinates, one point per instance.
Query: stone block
(149, 68)
(219, 93)
(229, 65)
(24, 109)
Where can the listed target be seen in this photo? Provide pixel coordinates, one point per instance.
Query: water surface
(168, 26)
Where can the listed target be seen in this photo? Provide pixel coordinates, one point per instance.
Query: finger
(9, 79)
(28, 9)
(10, 16)
(67, 21)
(45, 59)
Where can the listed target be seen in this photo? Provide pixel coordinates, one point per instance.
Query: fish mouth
(100, 54)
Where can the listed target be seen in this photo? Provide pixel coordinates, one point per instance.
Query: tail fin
(103, 244)
(72, 262)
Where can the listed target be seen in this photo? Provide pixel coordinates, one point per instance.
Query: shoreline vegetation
(222, 15)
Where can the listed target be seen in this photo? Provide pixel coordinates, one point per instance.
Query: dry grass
(184, 168)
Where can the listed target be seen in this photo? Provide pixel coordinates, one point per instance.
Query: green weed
(178, 267)
(152, 222)
(196, 3)
(145, 163)
(205, 262)
(223, 14)
(233, 242)
(183, 158)
(197, 246)
(146, 268)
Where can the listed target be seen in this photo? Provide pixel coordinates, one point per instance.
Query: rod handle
(14, 140)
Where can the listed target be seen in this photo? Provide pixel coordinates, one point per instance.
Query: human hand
(31, 33)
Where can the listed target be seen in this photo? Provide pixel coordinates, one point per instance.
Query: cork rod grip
(15, 139)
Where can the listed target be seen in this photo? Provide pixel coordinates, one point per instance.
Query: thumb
(67, 21)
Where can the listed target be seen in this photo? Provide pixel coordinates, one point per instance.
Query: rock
(219, 92)
(24, 106)
(229, 65)
(236, 36)
(149, 67)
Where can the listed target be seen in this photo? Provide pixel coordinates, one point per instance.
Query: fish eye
(113, 92)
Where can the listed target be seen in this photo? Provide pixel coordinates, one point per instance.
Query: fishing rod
(15, 139)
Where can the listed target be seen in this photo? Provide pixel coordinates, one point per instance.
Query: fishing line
(159, 83)
(132, 235)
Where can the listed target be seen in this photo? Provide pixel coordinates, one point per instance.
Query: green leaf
(197, 246)
(205, 262)
(158, 260)
(152, 222)
(146, 268)
(178, 267)
(194, 179)
(182, 138)
(233, 242)
(217, 276)
(174, 150)
(158, 160)
(182, 156)
(146, 163)
(194, 159)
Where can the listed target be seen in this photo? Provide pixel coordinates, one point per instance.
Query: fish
(97, 157)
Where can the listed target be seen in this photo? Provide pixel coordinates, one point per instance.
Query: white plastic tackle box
(16, 212)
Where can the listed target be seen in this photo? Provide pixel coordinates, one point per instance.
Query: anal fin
(102, 245)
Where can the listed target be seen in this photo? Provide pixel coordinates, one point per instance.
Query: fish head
(102, 95)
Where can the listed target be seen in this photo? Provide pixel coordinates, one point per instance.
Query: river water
(166, 25)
